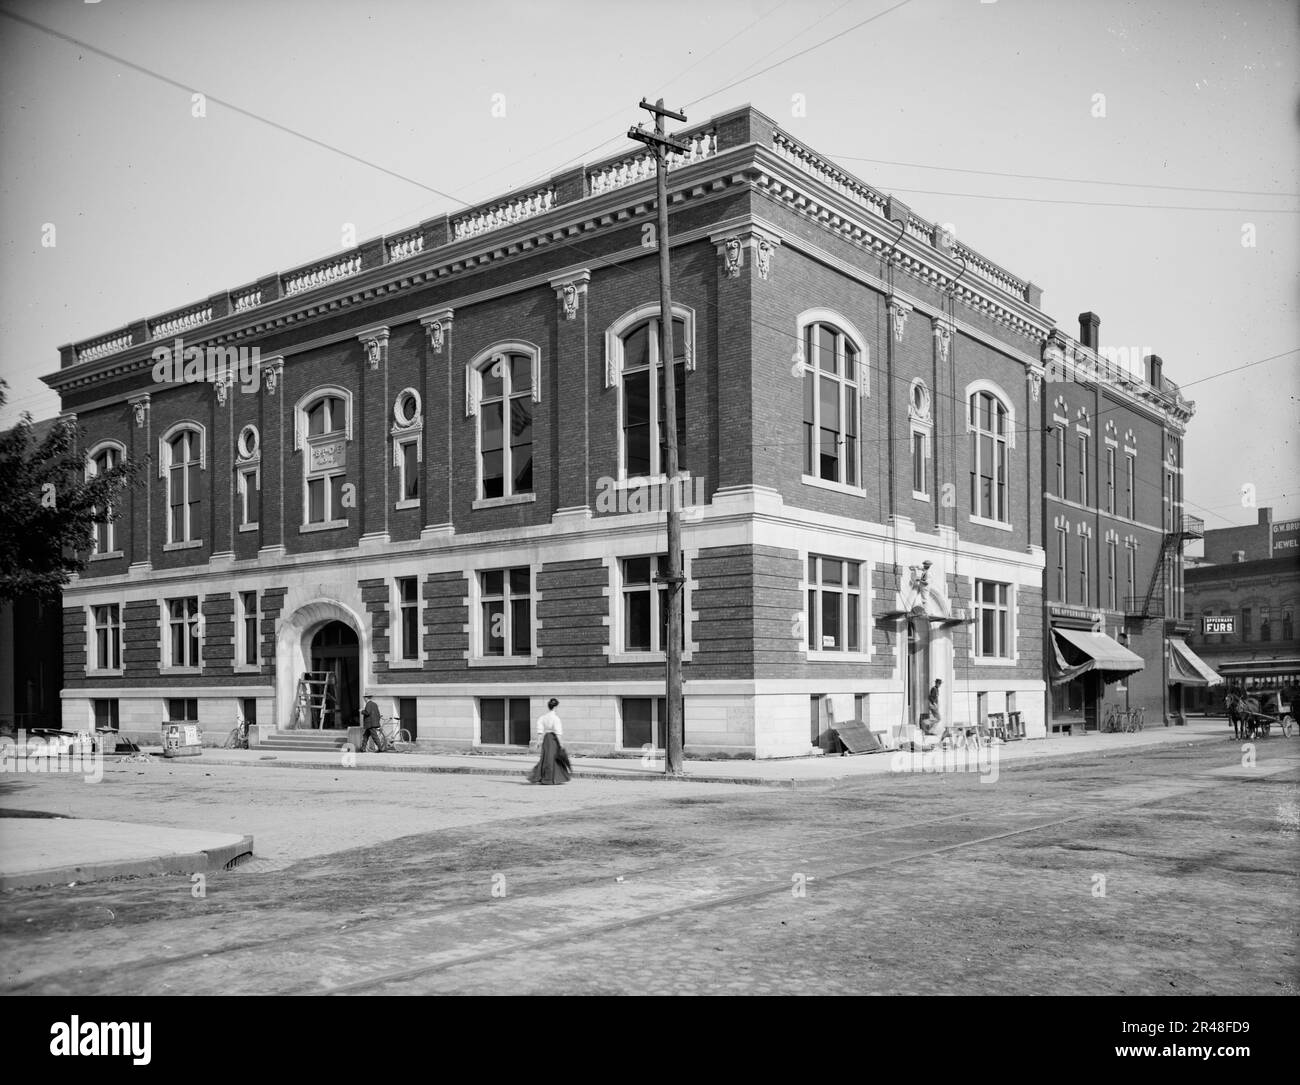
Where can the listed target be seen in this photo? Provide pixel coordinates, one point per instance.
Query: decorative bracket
(272, 370)
(140, 408)
(942, 341)
(731, 247)
(898, 311)
(375, 340)
(569, 289)
(436, 326)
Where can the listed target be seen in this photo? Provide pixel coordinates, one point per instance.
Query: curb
(204, 861)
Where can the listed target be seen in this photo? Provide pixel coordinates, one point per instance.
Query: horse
(1241, 711)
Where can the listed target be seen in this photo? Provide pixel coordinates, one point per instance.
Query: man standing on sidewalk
(370, 722)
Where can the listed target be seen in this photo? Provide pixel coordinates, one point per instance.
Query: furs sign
(1212, 624)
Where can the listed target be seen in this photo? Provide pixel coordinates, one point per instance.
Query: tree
(48, 507)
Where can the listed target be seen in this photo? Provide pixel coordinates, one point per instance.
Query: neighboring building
(1115, 527)
(447, 482)
(31, 652)
(1251, 606)
(1252, 542)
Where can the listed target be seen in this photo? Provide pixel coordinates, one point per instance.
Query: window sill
(109, 556)
(646, 657)
(110, 672)
(189, 544)
(408, 503)
(166, 670)
(249, 527)
(501, 661)
(329, 525)
(822, 655)
(405, 664)
(995, 524)
(497, 502)
(918, 496)
(993, 661)
(836, 487)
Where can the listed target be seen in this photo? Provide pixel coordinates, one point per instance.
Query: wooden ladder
(316, 697)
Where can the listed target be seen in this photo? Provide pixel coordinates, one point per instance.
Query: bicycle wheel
(232, 741)
(401, 742)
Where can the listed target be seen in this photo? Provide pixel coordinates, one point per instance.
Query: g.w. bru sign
(1286, 535)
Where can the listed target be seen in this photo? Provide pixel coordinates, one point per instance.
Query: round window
(249, 442)
(406, 410)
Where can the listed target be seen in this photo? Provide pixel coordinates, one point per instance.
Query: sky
(1138, 160)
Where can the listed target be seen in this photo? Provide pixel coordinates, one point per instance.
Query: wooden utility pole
(662, 144)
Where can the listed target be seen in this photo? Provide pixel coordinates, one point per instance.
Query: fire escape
(1152, 604)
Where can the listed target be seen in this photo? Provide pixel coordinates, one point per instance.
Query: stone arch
(293, 649)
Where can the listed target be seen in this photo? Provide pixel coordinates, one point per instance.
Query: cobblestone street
(1170, 871)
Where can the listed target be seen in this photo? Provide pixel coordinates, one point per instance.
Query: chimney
(1153, 366)
(1089, 330)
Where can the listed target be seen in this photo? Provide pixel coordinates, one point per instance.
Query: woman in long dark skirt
(553, 766)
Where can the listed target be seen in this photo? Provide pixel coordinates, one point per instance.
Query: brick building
(860, 404)
(1115, 530)
(1259, 647)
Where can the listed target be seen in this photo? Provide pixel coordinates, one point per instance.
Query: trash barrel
(181, 740)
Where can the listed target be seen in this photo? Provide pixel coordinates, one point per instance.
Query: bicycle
(1114, 721)
(238, 737)
(393, 738)
(1137, 719)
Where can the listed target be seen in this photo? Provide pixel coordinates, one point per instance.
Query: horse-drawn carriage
(1254, 714)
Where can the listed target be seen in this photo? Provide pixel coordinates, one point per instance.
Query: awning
(1187, 668)
(1078, 651)
(1259, 668)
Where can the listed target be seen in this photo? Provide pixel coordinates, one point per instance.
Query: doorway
(918, 667)
(335, 650)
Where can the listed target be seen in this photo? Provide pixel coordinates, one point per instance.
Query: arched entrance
(918, 665)
(336, 651)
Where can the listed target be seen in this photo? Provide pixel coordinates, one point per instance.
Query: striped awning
(1187, 668)
(1078, 651)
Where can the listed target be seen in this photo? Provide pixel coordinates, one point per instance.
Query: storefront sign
(1286, 535)
(1218, 623)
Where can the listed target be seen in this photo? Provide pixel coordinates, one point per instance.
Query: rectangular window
(1083, 469)
(504, 721)
(1060, 564)
(1110, 481)
(920, 463)
(408, 481)
(248, 628)
(183, 709)
(406, 715)
(645, 604)
(1112, 574)
(1132, 575)
(1265, 628)
(183, 627)
(106, 718)
(860, 707)
(1245, 623)
(830, 405)
(834, 604)
(325, 459)
(408, 601)
(105, 530)
(1130, 498)
(108, 637)
(249, 497)
(1085, 592)
(645, 723)
(248, 709)
(506, 610)
(1060, 459)
(1169, 501)
(992, 620)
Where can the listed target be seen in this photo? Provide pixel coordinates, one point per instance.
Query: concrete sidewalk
(49, 851)
(790, 772)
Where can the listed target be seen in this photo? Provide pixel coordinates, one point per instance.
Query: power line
(1067, 180)
(801, 52)
(189, 87)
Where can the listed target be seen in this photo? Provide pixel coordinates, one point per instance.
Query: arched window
(102, 458)
(181, 458)
(991, 426)
(633, 360)
(322, 430)
(834, 380)
(503, 386)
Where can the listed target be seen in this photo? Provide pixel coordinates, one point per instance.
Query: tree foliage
(48, 507)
